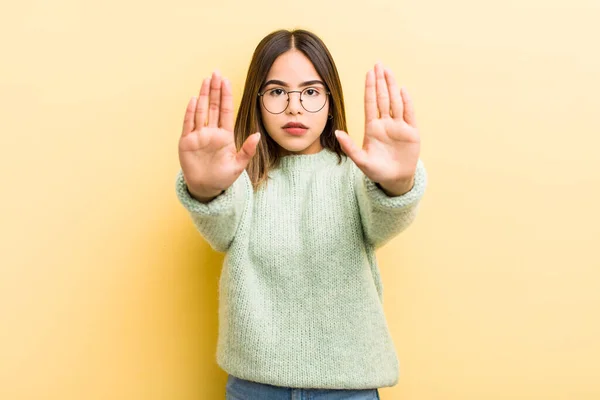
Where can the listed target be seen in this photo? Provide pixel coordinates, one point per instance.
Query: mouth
(294, 125)
(295, 128)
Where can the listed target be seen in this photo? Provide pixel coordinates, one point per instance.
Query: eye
(276, 92)
(312, 92)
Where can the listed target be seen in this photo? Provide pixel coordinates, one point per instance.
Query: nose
(294, 105)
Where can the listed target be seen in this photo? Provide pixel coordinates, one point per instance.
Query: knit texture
(300, 293)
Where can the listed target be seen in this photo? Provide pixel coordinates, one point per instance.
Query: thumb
(359, 156)
(248, 149)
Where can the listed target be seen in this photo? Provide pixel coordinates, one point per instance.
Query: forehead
(292, 67)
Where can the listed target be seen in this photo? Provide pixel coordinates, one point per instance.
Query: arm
(218, 219)
(382, 216)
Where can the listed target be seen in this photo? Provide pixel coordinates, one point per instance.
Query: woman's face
(293, 71)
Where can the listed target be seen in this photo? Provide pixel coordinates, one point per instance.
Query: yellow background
(108, 292)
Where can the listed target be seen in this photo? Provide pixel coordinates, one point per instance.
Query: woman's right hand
(208, 156)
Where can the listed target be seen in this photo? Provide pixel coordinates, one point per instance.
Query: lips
(294, 125)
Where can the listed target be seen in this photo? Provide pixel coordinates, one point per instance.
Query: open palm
(208, 156)
(391, 143)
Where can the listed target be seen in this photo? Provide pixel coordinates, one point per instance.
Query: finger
(409, 109)
(188, 119)
(358, 155)
(226, 114)
(248, 149)
(395, 97)
(202, 105)
(383, 97)
(370, 98)
(214, 102)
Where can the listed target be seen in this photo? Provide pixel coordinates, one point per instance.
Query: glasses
(277, 100)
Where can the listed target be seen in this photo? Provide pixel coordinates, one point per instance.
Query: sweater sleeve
(382, 216)
(218, 220)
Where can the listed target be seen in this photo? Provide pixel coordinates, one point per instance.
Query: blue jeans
(240, 389)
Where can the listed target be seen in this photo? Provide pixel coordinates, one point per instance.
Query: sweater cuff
(382, 200)
(219, 205)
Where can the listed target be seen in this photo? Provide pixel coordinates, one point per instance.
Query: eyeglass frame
(261, 95)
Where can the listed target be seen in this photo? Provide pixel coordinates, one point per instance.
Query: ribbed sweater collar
(308, 162)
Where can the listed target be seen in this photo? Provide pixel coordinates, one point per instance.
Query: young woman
(299, 210)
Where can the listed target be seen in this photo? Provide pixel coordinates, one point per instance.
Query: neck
(307, 161)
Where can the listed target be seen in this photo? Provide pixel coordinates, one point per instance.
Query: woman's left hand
(391, 143)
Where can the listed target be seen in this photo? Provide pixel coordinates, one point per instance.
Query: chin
(294, 149)
(297, 144)
(293, 145)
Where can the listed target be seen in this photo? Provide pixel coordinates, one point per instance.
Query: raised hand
(208, 156)
(391, 143)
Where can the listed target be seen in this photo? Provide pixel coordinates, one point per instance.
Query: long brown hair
(249, 120)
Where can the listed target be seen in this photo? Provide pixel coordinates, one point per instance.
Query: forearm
(388, 210)
(217, 219)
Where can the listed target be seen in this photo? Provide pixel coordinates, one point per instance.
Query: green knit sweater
(300, 293)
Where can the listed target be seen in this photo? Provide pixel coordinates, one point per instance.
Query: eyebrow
(282, 83)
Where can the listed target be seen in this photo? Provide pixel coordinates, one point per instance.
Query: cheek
(324, 114)
(266, 117)
(270, 121)
(321, 119)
